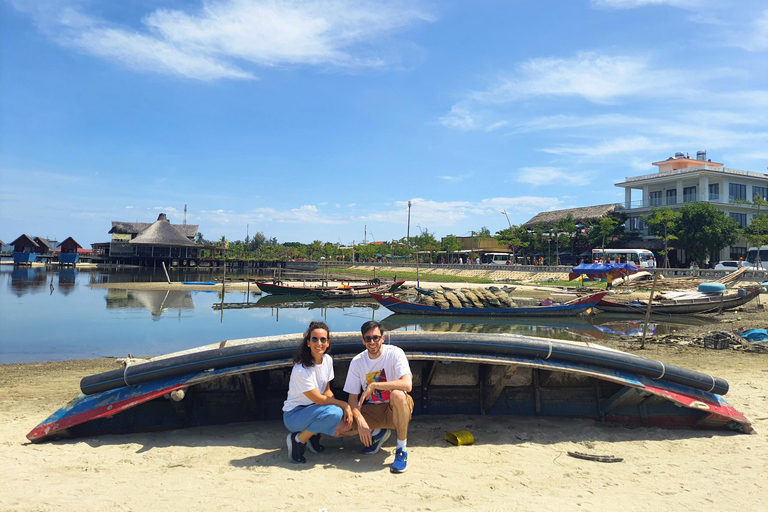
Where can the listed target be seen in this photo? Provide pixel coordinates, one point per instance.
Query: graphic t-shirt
(390, 365)
(306, 379)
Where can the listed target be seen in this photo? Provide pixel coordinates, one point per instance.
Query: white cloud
(631, 4)
(206, 43)
(537, 176)
(756, 39)
(450, 213)
(459, 117)
(595, 77)
(496, 126)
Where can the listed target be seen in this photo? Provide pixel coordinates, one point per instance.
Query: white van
(752, 257)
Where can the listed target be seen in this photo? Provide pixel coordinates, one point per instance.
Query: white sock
(402, 444)
(375, 431)
(297, 439)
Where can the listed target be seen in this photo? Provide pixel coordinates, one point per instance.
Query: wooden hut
(26, 250)
(69, 251)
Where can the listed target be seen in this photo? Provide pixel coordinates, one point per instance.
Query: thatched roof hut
(162, 232)
(134, 228)
(580, 215)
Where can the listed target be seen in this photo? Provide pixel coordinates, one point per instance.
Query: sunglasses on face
(315, 339)
(369, 339)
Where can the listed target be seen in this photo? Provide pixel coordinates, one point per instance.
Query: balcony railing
(688, 198)
(725, 170)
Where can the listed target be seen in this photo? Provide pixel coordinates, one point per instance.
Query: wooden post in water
(648, 311)
(166, 273)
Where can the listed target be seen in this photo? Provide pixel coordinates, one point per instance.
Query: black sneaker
(295, 449)
(314, 444)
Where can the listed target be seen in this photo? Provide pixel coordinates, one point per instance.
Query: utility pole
(408, 233)
(504, 211)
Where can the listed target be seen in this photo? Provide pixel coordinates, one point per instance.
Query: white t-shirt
(390, 365)
(306, 379)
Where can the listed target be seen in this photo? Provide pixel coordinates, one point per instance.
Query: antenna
(185, 215)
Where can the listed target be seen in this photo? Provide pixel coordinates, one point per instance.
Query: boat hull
(688, 307)
(527, 384)
(572, 308)
(470, 384)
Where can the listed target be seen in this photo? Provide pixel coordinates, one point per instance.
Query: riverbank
(515, 464)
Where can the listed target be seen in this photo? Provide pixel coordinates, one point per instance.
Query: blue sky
(313, 120)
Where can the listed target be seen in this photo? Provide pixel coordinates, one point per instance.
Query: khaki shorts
(382, 415)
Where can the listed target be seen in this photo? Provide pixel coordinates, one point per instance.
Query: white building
(682, 180)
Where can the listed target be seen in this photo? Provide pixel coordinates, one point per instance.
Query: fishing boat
(453, 373)
(570, 308)
(687, 303)
(277, 288)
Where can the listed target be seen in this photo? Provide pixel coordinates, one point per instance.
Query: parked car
(731, 265)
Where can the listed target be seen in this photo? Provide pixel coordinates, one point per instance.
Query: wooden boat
(315, 291)
(570, 308)
(493, 374)
(694, 304)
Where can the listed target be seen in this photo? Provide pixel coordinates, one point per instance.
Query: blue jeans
(318, 419)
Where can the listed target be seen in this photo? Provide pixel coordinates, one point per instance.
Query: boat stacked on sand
(453, 373)
(487, 302)
(324, 291)
(685, 302)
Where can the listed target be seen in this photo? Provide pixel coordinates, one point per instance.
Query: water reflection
(277, 302)
(28, 279)
(578, 328)
(155, 301)
(574, 328)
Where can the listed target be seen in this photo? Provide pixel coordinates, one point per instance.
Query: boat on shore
(686, 303)
(453, 373)
(322, 290)
(571, 308)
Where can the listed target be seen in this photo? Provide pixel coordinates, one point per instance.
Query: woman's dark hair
(303, 354)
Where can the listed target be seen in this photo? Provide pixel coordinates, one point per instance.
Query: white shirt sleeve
(353, 383)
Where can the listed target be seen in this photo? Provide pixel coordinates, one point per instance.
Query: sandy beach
(515, 464)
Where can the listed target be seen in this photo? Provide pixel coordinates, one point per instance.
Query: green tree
(451, 244)
(703, 230)
(515, 238)
(604, 230)
(662, 223)
(757, 231)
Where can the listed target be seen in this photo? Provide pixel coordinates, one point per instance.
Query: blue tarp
(591, 269)
(755, 335)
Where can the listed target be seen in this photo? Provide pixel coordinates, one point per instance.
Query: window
(689, 194)
(760, 191)
(654, 198)
(714, 192)
(741, 218)
(737, 192)
(738, 252)
(672, 196)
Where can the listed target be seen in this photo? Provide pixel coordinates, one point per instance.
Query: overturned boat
(453, 373)
(684, 303)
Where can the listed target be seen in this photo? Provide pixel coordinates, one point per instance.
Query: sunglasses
(315, 339)
(369, 339)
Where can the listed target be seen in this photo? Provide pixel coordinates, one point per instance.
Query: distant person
(311, 409)
(651, 262)
(740, 264)
(378, 382)
(609, 281)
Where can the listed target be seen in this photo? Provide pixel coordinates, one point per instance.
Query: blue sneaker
(377, 441)
(401, 461)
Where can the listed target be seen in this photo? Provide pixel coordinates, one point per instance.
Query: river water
(54, 315)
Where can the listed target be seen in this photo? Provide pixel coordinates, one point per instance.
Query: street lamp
(504, 211)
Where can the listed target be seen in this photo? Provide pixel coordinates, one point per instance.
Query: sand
(515, 464)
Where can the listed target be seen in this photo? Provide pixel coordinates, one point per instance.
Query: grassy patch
(411, 276)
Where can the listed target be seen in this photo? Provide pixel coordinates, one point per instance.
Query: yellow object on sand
(460, 437)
